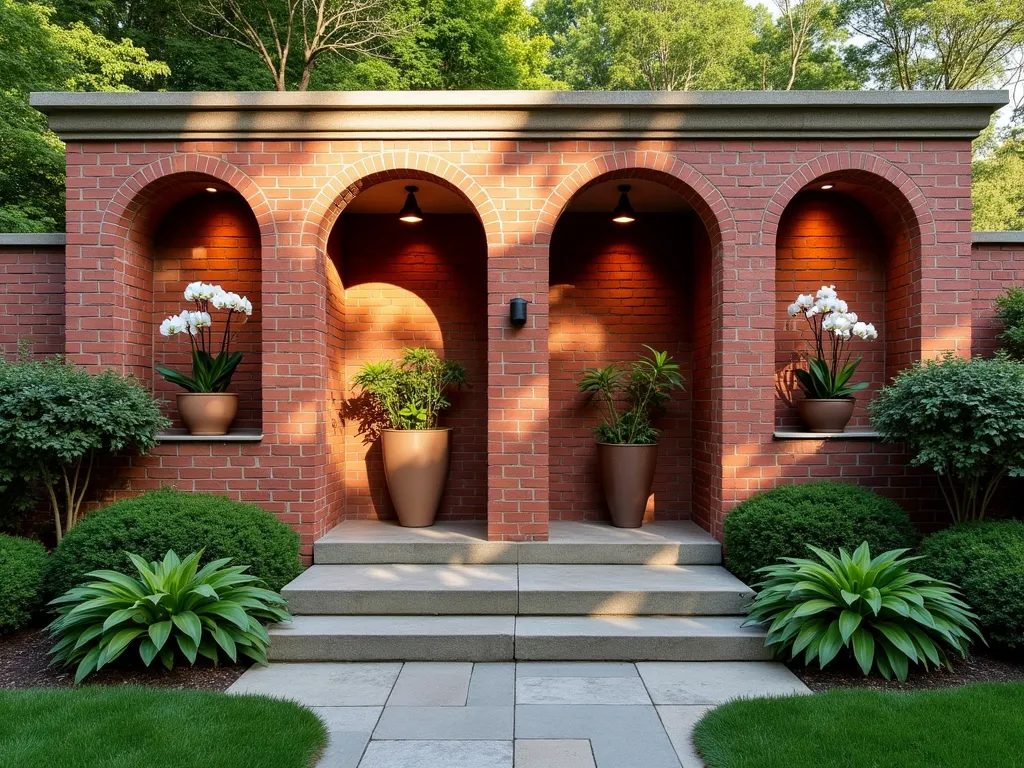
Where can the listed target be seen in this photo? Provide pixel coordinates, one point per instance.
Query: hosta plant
(888, 616)
(172, 607)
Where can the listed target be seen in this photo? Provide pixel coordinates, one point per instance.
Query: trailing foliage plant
(962, 418)
(57, 419)
(888, 616)
(629, 397)
(833, 326)
(412, 391)
(172, 607)
(212, 368)
(1010, 311)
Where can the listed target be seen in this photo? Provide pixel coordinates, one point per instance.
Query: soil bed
(979, 668)
(24, 663)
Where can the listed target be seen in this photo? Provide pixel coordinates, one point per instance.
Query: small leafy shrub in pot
(888, 616)
(987, 560)
(963, 419)
(172, 607)
(410, 393)
(22, 569)
(151, 524)
(781, 523)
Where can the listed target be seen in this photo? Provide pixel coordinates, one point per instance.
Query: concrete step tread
(628, 578)
(406, 577)
(635, 626)
(394, 625)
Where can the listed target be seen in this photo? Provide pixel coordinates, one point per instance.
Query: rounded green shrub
(22, 571)
(168, 519)
(986, 559)
(783, 521)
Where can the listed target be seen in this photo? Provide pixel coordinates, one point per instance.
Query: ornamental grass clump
(833, 326)
(172, 608)
(886, 615)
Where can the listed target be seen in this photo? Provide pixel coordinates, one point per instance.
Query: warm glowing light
(827, 186)
(623, 213)
(411, 213)
(211, 189)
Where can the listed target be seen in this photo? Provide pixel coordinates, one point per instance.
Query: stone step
(644, 638)
(570, 542)
(503, 638)
(404, 589)
(393, 638)
(631, 590)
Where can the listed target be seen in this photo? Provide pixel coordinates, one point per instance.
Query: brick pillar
(517, 395)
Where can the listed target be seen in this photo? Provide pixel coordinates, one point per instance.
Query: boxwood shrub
(783, 521)
(22, 570)
(153, 523)
(986, 559)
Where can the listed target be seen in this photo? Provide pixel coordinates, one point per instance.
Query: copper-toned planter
(207, 413)
(831, 415)
(416, 465)
(627, 474)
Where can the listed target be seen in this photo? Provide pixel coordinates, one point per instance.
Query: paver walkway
(525, 714)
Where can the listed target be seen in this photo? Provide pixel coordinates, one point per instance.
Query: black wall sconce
(517, 312)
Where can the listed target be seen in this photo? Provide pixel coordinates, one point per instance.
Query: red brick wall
(828, 239)
(31, 299)
(615, 288)
(411, 286)
(212, 238)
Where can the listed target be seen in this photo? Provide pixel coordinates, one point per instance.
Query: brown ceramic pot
(207, 413)
(627, 474)
(416, 465)
(831, 415)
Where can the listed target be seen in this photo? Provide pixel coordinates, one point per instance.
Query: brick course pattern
(905, 239)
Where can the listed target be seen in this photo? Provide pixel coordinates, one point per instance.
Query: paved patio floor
(525, 714)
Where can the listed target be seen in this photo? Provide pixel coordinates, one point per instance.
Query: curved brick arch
(324, 211)
(896, 189)
(142, 189)
(660, 167)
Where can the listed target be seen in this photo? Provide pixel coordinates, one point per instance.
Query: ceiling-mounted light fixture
(624, 213)
(211, 190)
(827, 186)
(411, 213)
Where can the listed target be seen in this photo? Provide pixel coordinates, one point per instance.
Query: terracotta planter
(627, 474)
(416, 465)
(830, 415)
(207, 413)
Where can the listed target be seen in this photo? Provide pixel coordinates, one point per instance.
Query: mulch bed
(979, 668)
(24, 663)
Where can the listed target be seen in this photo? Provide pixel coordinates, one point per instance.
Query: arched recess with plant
(618, 283)
(397, 282)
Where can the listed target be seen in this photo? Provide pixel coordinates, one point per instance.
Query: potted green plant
(629, 398)
(410, 393)
(828, 400)
(206, 407)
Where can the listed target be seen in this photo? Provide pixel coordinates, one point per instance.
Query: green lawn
(129, 727)
(975, 726)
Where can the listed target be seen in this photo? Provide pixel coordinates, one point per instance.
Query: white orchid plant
(834, 327)
(210, 372)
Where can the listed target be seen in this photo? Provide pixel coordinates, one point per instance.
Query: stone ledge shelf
(234, 436)
(795, 434)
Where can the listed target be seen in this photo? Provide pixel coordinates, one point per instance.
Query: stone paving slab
(432, 684)
(593, 542)
(576, 669)
(377, 541)
(438, 754)
(582, 690)
(553, 753)
(679, 723)
(322, 685)
(492, 684)
(344, 749)
(621, 737)
(717, 682)
(445, 723)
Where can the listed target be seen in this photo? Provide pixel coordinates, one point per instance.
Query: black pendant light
(411, 213)
(624, 213)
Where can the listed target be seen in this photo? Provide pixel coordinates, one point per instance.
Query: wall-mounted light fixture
(827, 186)
(624, 213)
(411, 213)
(211, 190)
(517, 312)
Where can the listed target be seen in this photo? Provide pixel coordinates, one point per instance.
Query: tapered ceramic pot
(416, 464)
(627, 474)
(207, 413)
(826, 415)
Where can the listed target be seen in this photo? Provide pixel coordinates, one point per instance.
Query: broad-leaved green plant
(886, 615)
(172, 607)
(411, 392)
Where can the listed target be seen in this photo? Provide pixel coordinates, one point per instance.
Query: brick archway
(659, 167)
(342, 189)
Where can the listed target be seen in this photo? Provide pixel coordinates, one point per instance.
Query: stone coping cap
(16, 239)
(1009, 237)
(519, 114)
